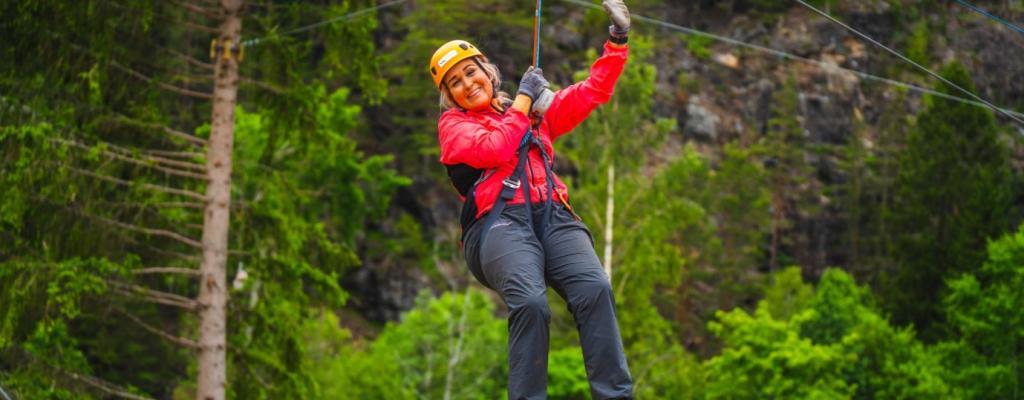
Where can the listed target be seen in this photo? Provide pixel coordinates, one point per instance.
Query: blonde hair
(446, 102)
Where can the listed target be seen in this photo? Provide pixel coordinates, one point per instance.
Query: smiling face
(469, 85)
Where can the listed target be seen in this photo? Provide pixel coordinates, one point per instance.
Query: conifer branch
(207, 12)
(103, 386)
(126, 152)
(162, 85)
(152, 161)
(263, 85)
(153, 296)
(166, 270)
(153, 125)
(172, 153)
(149, 231)
(149, 186)
(191, 60)
(169, 253)
(23, 357)
(172, 338)
(201, 28)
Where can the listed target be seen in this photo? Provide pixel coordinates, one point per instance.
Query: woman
(519, 232)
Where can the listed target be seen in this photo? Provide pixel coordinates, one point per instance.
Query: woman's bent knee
(535, 305)
(583, 296)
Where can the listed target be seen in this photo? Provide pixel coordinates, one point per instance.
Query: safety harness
(509, 186)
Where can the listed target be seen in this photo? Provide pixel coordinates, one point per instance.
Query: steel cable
(912, 62)
(827, 67)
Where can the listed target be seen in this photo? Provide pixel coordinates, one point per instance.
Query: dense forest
(788, 210)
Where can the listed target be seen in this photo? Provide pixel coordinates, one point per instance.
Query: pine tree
(790, 177)
(868, 162)
(953, 192)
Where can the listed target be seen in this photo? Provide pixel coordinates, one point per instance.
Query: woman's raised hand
(619, 14)
(533, 83)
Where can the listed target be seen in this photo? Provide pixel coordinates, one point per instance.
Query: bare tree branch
(263, 85)
(132, 160)
(103, 386)
(165, 204)
(149, 186)
(162, 85)
(208, 12)
(201, 28)
(153, 296)
(191, 60)
(190, 80)
(124, 119)
(172, 338)
(22, 357)
(173, 153)
(166, 270)
(170, 253)
(149, 231)
(126, 152)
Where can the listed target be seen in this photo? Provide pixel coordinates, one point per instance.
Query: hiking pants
(519, 261)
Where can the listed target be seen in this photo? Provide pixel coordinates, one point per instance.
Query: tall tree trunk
(213, 295)
(609, 218)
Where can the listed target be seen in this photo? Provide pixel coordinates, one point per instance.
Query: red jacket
(488, 140)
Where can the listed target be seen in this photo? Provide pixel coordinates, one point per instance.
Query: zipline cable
(991, 16)
(827, 67)
(346, 17)
(536, 34)
(912, 62)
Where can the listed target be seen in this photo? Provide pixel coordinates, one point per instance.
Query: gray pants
(519, 261)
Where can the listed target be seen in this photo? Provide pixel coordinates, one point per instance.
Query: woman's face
(469, 85)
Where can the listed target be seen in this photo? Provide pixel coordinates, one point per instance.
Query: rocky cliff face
(719, 93)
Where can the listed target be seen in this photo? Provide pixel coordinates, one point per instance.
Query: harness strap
(514, 182)
(509, 186)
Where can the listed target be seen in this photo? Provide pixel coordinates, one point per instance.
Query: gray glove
(540, 106)
(619, 14)
(533, 83)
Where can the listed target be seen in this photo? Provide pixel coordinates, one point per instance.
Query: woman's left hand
(619, 14)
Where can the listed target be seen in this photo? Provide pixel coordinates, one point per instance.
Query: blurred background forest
(782, 228)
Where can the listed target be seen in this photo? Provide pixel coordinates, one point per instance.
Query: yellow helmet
(448, 55)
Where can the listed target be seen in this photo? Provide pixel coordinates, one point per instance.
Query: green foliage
(567, 378)
(452, 344)
(869, 161)
(764, 357)
(770, 10)
(986, 312)
(836, 347)
(954, 189)
(837, 305)
(917, 43)
(790, 178)
(787, 294)
(304, 203)
(38, 302)
(342, 369)
(698, 46)
(329, 115)
(302, 192)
